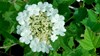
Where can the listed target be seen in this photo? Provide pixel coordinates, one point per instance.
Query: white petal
(25, 32)
(22, 39)
(79, 0)
(18, 29)
(27, 41)
(53, 37)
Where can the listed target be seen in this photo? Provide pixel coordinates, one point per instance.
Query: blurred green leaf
(4, 6)
(56, 45)
(10, 17)
(97, 8)
(55, 4)
(4, 25)
(97, 1)
(81, 52)
(68, 2)
(66, 53)
(64, 10)
(8, 43)
(71, 42)
(5, 0)
(6, 35)
(92, 21)
(74, 30)
(80, 14)
(9, 39)
(77, 52)
(33, 1)
(63, 44)
(54, 54)
(92, 16)
(88, 1)
(28, 51)
(95, 26)
(97, 42)
(87, 42)
(59, 1)
(17, 7)
(90, 40)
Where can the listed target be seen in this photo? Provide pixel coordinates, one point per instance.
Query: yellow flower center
(41, 26)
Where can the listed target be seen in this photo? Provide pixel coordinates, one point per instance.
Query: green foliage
(92, 16)
(4, 6)
(88, 1)
(82, 24)
(90, 40)
(33, 1)
(97, 8)
(9, 40)
(80, 14)
(71, 42)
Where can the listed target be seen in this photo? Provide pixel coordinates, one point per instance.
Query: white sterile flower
(79, 0)
(38, 24)
(53, 37)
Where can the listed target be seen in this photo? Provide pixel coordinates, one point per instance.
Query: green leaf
(8, 43)
(68, 2)
(71, 42)
(28, 51)
(95, 26)
(4, 25)
(4, 0)
(87, 42)
(90, 40)
(83, 52)
(63, 44)
(9, 16)
(56, 45)
(6, 35)
(64, 10)
(9, 39)
(59, 1)
(80, 14)
(97, 42)
(54, 54)
(17, 7)
(92, 16)
(97, 8)
(88, 1)
(66, 53)
(55, 4)
(77, 52)
(4, 6)
(61, 10)
(74, 30)
(33, 1)
(97, 1)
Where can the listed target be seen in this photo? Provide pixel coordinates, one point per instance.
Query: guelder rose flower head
(38, 25)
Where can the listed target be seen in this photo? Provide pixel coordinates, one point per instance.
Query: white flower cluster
(38, 25)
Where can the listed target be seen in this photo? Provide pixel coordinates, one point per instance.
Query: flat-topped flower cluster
(38, 25)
